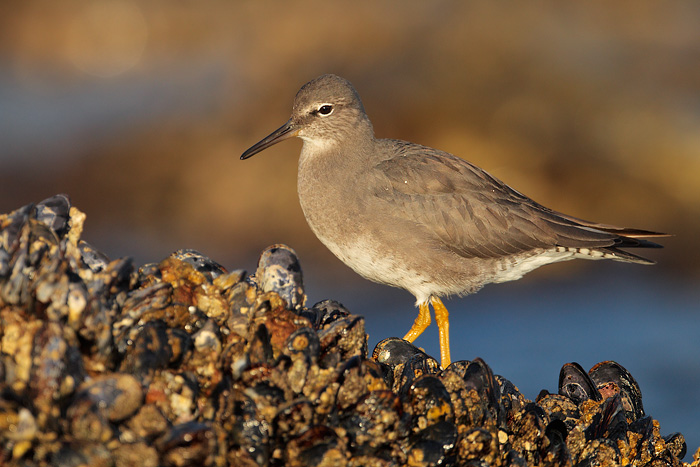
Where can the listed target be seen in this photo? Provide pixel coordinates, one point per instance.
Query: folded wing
(476, 215)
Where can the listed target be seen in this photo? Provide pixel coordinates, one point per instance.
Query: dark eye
(325, 109)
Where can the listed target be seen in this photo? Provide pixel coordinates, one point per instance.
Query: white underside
(514, 271)
(371, 264)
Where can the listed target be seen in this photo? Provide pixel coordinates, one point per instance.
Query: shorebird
(421, 219)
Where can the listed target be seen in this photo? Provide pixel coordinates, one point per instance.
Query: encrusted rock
(185, 363)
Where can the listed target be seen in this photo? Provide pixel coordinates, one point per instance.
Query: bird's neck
(343, 149)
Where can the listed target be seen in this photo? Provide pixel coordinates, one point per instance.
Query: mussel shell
(259, 348)
(434, 445)
(12, 227)
(609, 422)
(279, 271)
(675, 445)
(56, 372)
(92, 258)
(54, 213)
(611, 378)
(318, 446)
(477, 376)
(575, 384)
(375, 420)
(189, 443)
(511, 399)
(393, 351)
(478, 446)
(149, 351)
(528, 432)
(207, 266)
(326, 312)
(5, 259)
(342, 339)
(560, 407)
(247, 428)
(101, 402)
(357, 377)
(304, 341)
(405, 374)
(556, 432)
(428, 402)
(599, 452)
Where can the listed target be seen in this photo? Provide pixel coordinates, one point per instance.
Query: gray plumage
(418, 218)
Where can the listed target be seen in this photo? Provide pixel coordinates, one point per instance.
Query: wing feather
(476, 215)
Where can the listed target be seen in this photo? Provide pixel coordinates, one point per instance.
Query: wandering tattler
(410, 216)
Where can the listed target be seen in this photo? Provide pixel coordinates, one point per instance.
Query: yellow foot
(421, 322)
(443, 321)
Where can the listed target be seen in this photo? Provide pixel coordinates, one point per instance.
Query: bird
(424, 220)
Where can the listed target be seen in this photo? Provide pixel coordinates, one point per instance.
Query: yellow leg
(421, 322)
(443, 321)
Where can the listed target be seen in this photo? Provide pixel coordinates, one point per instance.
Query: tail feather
(635, 242)
(621, 231)
(626, 238)
(616, 254)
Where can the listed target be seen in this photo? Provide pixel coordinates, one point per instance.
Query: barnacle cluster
(185, 363)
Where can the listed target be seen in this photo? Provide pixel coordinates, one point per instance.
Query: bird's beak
(286, 131)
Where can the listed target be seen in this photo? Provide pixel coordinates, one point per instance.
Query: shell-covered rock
(185, 363)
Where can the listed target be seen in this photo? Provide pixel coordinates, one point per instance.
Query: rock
(185, 363)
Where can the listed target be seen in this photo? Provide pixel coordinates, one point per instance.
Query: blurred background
(140, 111)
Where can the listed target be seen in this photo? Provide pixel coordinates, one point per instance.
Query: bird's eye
(325, 109)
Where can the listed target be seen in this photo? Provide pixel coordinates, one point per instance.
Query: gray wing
(476, 215)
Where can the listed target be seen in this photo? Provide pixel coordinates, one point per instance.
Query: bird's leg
(421, 322)
(443, 321)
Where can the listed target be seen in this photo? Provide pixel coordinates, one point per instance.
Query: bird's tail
(626, 238)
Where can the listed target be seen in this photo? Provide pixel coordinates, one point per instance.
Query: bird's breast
(328, 198)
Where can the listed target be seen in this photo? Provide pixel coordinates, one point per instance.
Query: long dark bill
(286, 131)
